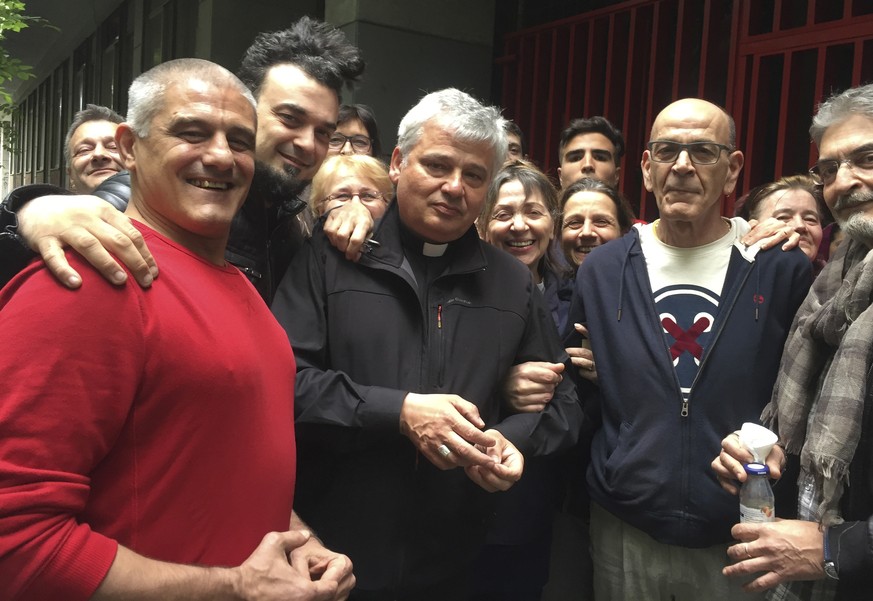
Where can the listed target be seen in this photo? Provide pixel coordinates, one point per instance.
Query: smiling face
(521, 225)
(684, 191)
(296, 116)
(93, 155)
(797, 208)
(590, 219)
(192, 171)
(441, 185)
(588, 155)
(850, 195)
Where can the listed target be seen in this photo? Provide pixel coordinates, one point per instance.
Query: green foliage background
(12, 20)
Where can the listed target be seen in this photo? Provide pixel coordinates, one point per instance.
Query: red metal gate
(769, 62)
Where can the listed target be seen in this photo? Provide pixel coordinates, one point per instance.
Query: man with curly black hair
(296, 76)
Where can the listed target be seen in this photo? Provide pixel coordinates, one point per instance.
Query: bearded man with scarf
(822, 405)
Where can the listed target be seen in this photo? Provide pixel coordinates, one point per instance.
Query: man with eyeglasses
(687, 325)
(821, 407)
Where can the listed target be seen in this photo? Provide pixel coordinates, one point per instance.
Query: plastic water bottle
(756, 497)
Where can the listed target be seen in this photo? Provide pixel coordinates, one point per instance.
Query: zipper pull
(684, 412)
(439, 317)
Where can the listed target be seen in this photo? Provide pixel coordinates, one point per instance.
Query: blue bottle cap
(757, 469)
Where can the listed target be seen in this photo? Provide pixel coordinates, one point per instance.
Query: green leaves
(13, 20)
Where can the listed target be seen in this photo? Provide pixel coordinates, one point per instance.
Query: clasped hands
(432, 421)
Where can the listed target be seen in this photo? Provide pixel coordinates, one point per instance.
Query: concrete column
(414, 47)
(231, 25)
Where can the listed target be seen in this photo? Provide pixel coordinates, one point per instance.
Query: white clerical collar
(433, 250)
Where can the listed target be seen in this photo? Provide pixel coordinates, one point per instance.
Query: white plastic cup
(758, 440)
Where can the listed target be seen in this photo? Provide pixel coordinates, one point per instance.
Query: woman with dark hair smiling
(593, 213)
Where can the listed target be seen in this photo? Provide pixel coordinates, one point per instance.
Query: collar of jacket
(466, 252)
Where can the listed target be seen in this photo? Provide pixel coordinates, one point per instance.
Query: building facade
(768, 62)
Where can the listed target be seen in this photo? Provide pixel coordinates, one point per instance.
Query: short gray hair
(146, 93)
(469, 120)
(91, 112)
(839, 107)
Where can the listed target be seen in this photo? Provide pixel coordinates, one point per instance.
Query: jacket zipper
(441, 365)
(716, 336)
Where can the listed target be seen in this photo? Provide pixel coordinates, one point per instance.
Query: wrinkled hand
(779, 551)
(93, 228)
(582, 358)
(728, 466)
(432, 420)
(770, 232)
(504, 471)
(323, 564)
(529, 387)
(267, 574)
(348, 226)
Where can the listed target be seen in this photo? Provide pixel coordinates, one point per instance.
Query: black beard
(274, 186)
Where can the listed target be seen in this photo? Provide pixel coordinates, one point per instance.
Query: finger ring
(749, 555)
(444, 450)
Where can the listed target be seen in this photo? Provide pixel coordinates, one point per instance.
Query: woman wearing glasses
(356, 132)
(351, 178)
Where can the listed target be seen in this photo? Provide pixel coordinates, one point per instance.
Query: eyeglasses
(360, 144)
(366, 196)
(700, 153)
(859, 160)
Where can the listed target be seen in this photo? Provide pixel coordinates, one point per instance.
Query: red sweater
(160, 419)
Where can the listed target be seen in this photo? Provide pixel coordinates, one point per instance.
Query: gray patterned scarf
(818, 399)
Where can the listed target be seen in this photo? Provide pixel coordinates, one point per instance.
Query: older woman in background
(350, 178)
(796, 200)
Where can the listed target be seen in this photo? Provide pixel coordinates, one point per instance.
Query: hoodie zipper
(716, 336)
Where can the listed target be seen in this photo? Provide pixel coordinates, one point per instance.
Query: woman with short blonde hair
(343, 177)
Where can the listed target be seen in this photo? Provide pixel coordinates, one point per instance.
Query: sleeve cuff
(381, 408)
(850, 546)
(77, 569)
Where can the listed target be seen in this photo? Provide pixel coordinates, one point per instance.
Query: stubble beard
(275, 185)
(858, 226)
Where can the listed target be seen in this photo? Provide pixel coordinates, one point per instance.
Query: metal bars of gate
(769, 62)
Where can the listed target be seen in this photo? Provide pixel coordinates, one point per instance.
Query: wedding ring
(444, 450)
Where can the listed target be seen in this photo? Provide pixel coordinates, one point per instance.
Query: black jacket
(14, 253)
(263, 240)
(363, 339)
(851, 543)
